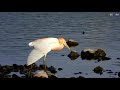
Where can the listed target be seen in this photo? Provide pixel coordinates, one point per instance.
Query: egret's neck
(58, 47)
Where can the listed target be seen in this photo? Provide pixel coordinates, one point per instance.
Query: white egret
(43, 46)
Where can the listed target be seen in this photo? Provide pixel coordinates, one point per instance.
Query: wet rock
(106, 58)
(15, 67)
(5, 75)
(15, 76)
(118, 74)
(115, 73)
(90, 54)
(73, 55)
(29, 75)
(40, 74)
(98, 70)
(118, 58)
(109, 70)
(6, 69)
(33, 67)
(53, 76)
(23, 76)
(23, 70)
(99, 54)
(83, 32)
(81, 77)
(52, 69)
(72, 43)
(60, 69)
(87, 54)
(42, 67)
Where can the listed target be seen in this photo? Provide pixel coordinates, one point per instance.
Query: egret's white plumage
(43, 46)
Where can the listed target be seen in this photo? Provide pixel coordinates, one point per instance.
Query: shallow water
(17, 29)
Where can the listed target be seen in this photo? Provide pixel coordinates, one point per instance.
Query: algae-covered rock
(90, 54)
(72, 43)
(73, 55)
(98, 70)
(87, 54)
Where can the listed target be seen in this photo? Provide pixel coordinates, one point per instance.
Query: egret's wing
(36, 55)
(41, 48)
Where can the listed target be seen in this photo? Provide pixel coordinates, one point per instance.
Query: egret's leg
(45, 62)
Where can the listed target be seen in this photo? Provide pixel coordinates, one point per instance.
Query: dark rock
(60, 69)
(98, 70)
(83, 32)
(5, 75)
(115, 74)
(80, 72)
(62, 55)
(90, 54)
(29, 75)
(53, 76)
(118, 74)
(15, 67)
(87, 54)
(106, 58)
(81, 77)
(118, 58)
(33, 67)
(100, 54)
(109, 70)
(25, 66)
(52, 69)
(21, 67)
(73, 55)
(42, 67)
(23, 70)
(5, 69)
(23, 76)
(72, 43)
(15, 76)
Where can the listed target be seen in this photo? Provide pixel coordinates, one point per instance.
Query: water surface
(17, 29)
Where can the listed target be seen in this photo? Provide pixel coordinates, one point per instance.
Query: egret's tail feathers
(34, 56)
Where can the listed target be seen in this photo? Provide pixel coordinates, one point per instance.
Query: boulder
(72, 43)
(73, 55)
(90, 54)
(40, 74)
(98, 70)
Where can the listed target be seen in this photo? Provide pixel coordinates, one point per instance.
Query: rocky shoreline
(34, 71)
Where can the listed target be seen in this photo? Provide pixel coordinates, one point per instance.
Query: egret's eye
(31, 44)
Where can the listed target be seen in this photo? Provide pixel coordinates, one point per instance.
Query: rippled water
(17, 29)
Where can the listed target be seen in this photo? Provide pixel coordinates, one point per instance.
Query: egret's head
(31, 44)
(62, 41)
